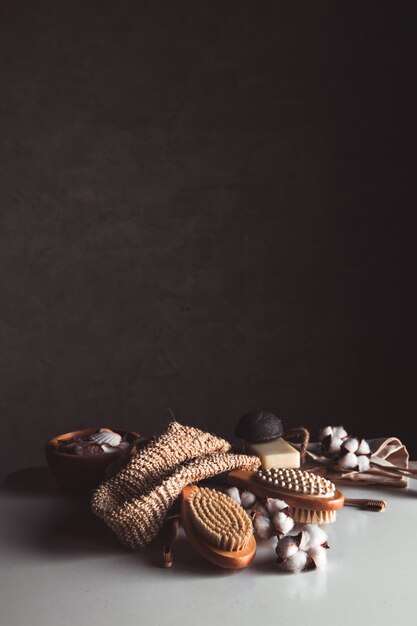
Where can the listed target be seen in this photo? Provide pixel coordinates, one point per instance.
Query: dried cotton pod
(296, 562)
(233, 492)
(348, 462)
(363, 463)
(283, 523)
(286, 547)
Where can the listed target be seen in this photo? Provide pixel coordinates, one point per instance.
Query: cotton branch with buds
(271, 517)
(349, 453)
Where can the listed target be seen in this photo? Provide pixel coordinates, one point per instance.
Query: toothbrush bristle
(375, 505)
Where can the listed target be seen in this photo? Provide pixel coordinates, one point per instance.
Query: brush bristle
(375, 505)
(167, 557)
(307, 516)
(219, 519)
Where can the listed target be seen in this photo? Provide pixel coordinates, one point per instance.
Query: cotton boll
(334, 445)
(274, 505)
(259, 508)
(295, 562)
(283, 523)
(339, 431)
(348, 462)
(351, 444)
(363, 463)
(233, 492)
(318, 555)
(247, 499)
(363, 447)
(325, 432)
(311, 536)
(263, 527)
(286, 547)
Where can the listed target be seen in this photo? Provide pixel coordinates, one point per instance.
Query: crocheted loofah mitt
(138, 520)
(151, 465)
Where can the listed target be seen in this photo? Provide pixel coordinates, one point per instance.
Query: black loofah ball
(259, 426)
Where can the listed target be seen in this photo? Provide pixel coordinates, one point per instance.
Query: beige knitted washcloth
(153, 463)
(138, 520)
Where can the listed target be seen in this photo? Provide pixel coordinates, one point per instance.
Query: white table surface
(60, 566)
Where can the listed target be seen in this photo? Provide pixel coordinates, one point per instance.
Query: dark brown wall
(204, 206)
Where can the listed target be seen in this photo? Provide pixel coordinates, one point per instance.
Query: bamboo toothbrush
(217, 527)
(367, 505)
(312, 499)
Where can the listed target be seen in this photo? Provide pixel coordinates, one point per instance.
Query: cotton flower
(247, 499)
(348, 462)
(312, 536)
(282, 522)
(363, 463)
(286, 547)
(263, 527)
(273, 505)
(350, 444)
(325, 432)
(259, 508)
(233, 492)
(363, 447)
(339, 431)
(331, 445)
(296, 562)
(318, 555)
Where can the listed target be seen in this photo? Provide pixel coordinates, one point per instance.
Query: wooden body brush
(312, 499)
(217, 527)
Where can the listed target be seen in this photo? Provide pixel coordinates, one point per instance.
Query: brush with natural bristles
(217, 527)
(312, 499)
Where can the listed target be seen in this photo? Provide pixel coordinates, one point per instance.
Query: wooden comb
(312, 499)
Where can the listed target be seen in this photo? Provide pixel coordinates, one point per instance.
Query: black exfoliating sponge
(259, 426)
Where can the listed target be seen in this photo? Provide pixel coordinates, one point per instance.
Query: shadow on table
(58, 523)
(33, 481)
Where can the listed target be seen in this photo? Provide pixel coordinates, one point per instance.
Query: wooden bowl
(77, 472)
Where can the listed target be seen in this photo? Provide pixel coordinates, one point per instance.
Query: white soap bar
(275, 453)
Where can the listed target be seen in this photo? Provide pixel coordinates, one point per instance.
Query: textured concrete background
(204, 206)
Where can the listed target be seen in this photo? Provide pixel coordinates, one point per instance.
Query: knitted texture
(153, 463)
(138, 520)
